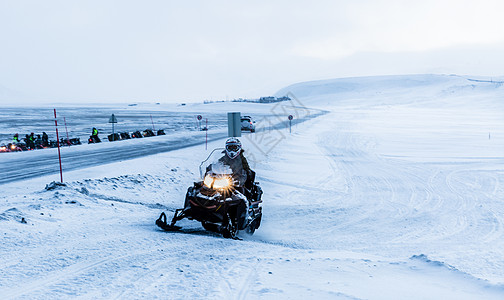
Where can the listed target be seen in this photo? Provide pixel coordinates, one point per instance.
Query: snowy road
(77, 157)
(26, 165)
(382, 198)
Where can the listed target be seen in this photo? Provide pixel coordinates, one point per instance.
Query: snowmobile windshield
(214, 165)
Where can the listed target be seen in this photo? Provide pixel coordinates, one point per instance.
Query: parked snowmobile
(125, 136)
(136, 135)
(218, 202)
(93, 139)
(75, 141)
(114, 137)
(10, 147)
(148, 133)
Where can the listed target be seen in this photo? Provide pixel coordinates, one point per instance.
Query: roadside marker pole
(57, 140)
(68, 139)
(152, 123)
(206, 135)
(290, 123)
(199, 117)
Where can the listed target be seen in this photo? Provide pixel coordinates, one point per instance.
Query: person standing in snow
(45, 139)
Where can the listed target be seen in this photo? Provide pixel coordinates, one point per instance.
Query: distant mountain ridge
(384, 84)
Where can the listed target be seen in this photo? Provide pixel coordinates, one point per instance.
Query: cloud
(399, 26)
(169, 50)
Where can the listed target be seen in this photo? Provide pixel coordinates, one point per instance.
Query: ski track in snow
(364, 202)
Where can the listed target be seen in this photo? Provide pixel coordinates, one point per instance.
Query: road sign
(291, 117)
(199, 117)
(234, 124)
(112, 119)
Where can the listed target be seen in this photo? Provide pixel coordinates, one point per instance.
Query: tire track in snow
(140, 283)
(459, 183)
(237, 280)
(355, 163)
(62, 275)
(246, 283)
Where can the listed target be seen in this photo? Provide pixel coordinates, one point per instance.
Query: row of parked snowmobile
(119, 136)
(37, 144)
(42, 143)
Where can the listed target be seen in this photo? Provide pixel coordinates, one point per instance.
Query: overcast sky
(173, 51)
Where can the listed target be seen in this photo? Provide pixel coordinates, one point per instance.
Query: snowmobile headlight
(222, 183)
(208, 181)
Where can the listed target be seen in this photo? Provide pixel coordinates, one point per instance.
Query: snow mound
(439, 264)
(138, 189)
(424, 258)
(12, 214)
(54, 185)
(391, 89)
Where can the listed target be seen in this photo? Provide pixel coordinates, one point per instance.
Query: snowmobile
(125, 136)
(136, 135)
(148, 133)
(10, 147)
(219, 202)
(114, 137)
(93, 139)
(75, 141)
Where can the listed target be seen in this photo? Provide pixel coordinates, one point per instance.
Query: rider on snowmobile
(94, 135)
(234, 158)
(221, 205)
(31, 141)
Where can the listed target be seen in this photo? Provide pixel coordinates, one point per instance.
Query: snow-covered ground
(395, 193)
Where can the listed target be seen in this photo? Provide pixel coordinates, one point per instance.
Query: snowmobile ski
(161, 222)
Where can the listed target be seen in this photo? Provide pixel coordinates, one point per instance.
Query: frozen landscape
(387, 188)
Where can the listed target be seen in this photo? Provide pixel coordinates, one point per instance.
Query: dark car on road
(247, 124)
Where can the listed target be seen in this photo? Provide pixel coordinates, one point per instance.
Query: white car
(247, 123)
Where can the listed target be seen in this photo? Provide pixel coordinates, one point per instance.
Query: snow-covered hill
(399, 89)
(396, 193)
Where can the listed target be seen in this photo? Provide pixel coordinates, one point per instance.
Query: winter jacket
(239, 165)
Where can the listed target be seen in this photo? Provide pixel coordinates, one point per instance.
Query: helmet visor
(232, 148)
